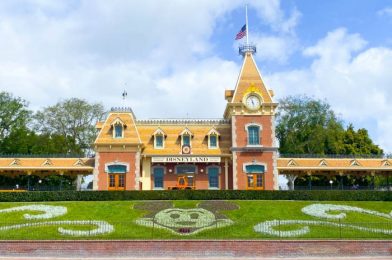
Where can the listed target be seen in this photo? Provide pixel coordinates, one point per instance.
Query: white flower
(50, 211)
(103, 227)
(320, 211)
(267, 227)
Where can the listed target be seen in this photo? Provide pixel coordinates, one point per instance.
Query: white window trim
(164, 173)
(116, 163)
(163, 141)
(217, 141)
(247, 134)
(219, 173)
(254, 163)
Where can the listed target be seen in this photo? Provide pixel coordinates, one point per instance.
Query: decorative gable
(386, 163)
(292, 163)
(355, 163)
(79, 162)
(47, 162)
(186, 131)
(213, 131)
(323, 162)
(15, 162)
(159, 131)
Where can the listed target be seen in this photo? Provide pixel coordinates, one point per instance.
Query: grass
(122, 216)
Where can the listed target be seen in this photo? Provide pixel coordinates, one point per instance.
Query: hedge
(195, 195)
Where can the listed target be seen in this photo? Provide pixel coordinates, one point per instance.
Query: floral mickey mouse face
(185, 218)
(185, 221)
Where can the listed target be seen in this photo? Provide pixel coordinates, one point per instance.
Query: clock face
(253, 102)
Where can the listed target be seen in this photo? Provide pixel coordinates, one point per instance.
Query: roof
(250, 76)
(47, 164)
(325, 164)
(131, 134)
(172, 143)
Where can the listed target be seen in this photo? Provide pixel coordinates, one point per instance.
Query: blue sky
(175, 58)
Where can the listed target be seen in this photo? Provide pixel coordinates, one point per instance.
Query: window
(159, 141)
(158, 177)
(117, 168)
(118, 131)
(185, 169)
(255, 168)
(253, 135)
(186, 140)
(213, 177)
(213, 141)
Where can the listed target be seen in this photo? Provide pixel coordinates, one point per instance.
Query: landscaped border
(195, 195)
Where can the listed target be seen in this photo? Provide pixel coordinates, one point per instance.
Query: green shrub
(195, 195)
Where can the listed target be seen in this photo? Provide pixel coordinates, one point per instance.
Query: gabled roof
(213, 131)
(186, 131)
(159, 131)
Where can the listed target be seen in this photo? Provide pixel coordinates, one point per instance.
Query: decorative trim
(137, 171)
(183, 121)
(96, 172)
(254, 163)
(116, 163)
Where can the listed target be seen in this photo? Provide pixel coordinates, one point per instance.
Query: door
(255, 182)
(116, 181)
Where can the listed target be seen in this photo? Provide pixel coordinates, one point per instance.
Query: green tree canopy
(74, 119)
(310, 126)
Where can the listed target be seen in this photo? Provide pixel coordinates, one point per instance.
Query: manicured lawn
(231, 220)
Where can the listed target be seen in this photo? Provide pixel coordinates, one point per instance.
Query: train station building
(236, 152)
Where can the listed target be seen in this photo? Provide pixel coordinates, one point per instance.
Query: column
(226, 174)
(146, 173)
(309, 173)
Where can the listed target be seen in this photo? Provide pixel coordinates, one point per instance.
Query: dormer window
(186, 136)
(159, 139)
(213, 139)
(186, 139)
(118, 131)
(253, 134)
(118, 128)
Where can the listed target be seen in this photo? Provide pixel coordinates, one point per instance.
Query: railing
(337, 156)
(212, 229)
(43, 155)
(346, 187)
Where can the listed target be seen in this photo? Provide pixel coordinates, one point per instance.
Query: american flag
(241, 33)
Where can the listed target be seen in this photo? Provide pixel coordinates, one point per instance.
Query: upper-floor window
(253, 135)
(159, 139)
(118, 131)
(213, 139)
(118, 127)
(186, 136)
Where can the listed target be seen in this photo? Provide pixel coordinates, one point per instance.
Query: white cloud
(354, 80)
(274, 48)
(386, 11)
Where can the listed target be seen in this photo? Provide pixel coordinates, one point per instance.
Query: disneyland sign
(185, 159)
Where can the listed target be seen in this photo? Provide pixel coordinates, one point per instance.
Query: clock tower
(251, 110)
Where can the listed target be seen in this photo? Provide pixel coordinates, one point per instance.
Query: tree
(14, 119)
(308, 126)
(74, 119)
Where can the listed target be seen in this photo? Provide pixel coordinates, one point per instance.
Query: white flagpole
(246, 23)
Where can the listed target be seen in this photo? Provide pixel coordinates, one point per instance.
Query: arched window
(117, 168)
(253, 135)
(213, 177)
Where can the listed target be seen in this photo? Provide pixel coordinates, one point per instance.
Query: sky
(175, 58)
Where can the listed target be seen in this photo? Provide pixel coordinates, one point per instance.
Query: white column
(146, 173)
(226, 174)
